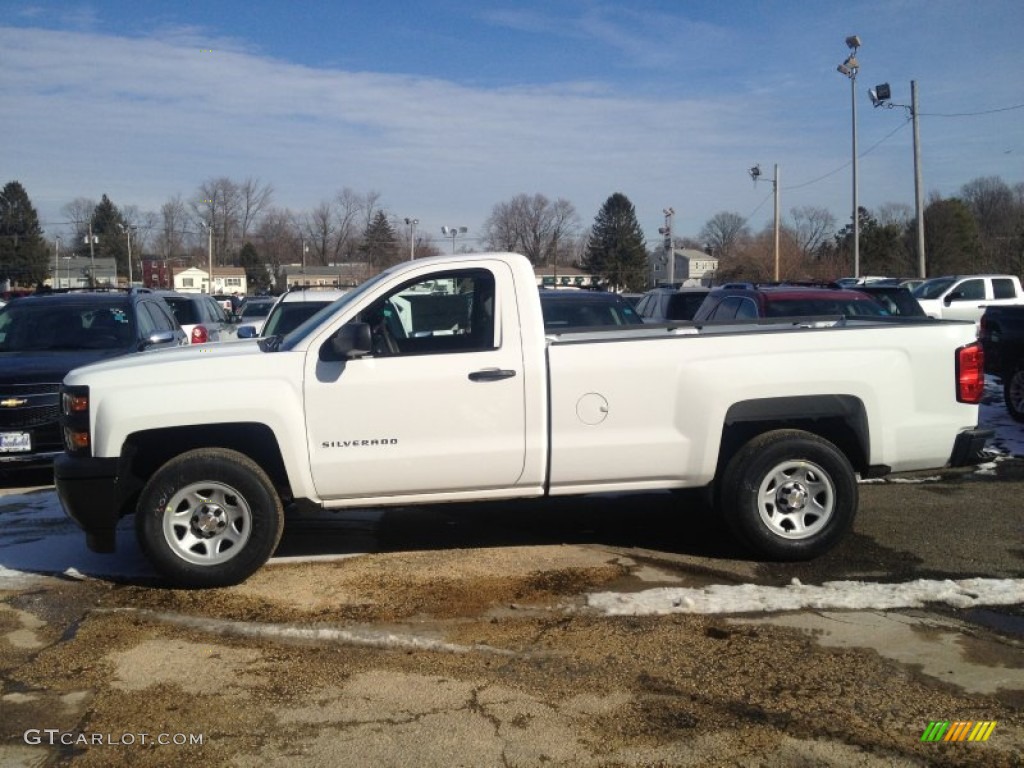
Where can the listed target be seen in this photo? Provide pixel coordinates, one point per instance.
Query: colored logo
(958, 730)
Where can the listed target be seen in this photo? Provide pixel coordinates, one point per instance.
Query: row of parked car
(43, 336)
(959, 297)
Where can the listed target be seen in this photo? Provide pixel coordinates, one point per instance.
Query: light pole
(128, 233)
(209, 229)
(880, 95)
(850, 67)
(670, 254)
(92, 239)
(453, 232)
(412, 236)
(56, 263)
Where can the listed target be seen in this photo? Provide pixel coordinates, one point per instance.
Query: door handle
(491, 374)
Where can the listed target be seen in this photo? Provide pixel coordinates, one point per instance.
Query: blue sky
(447, 108)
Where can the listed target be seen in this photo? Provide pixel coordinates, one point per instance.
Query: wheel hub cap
(208, 520)
(792, 497)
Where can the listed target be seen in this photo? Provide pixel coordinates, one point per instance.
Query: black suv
(45, 335)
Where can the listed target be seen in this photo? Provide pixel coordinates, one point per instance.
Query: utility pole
(755, 174)
(92, 239)
(918, 184)
(670, 253)
(880, 97)
(412, 236)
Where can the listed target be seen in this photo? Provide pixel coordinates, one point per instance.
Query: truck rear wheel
(209, 518)
(1013, 393)
(789, 495)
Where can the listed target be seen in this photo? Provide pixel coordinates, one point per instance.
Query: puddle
(1003, 623)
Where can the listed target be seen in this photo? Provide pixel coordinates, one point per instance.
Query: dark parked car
(752, 301)
(574, 309)
(44, 336)
(1002, 339)
(666, 305)
(897, 300)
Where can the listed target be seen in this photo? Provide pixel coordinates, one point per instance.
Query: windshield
(300, 332)
(43, 326)
(934, 288)
(256, 308)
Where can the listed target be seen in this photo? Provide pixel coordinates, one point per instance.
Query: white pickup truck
(435, 381)
(965, 297)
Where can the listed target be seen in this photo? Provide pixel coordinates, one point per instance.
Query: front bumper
(968, 446)
(88, 491)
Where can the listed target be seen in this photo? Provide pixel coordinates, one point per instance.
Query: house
(73, 271)
(345, 275)
(562, 276)
(692, 267)
(228, 280)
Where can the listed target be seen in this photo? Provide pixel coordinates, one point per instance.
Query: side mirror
(951, 297)
(158, 337)
(351, 340)
(247, 331)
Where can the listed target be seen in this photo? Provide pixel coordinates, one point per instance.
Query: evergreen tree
(616, 251)
(380, 244)
(109, 226)
(23, 253)
(256, 275)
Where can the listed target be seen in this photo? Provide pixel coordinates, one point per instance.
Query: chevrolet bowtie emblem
(12, 402)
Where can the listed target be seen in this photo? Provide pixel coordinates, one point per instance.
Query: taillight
(200, 335)
(970, 373)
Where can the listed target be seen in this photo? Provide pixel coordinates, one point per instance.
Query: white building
(692, 267)
(226, 280)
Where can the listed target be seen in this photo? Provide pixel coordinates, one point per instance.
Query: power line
(973, 114)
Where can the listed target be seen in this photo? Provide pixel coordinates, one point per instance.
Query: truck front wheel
(1013, 392)
(209, 518)
(789, 495)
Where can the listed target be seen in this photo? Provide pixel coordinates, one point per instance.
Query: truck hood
(48, 366)
(200, 354)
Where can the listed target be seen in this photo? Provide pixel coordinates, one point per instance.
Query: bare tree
(724, 232)
(813, 227)
(349, 204)
(320, 230)
(254, 198)
(279, 236)
(173, 228)
(218, 205)
(79, 213)
(533, 225)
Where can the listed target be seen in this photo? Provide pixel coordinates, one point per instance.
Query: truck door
(438, 405)
(965, 300)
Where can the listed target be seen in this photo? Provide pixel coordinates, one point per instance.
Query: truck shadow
(680, 524)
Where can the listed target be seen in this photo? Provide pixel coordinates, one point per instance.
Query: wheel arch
(840, 419)
(146, 451)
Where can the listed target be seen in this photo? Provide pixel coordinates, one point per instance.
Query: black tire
(789, 495)
(1013, 393)
(209, 518)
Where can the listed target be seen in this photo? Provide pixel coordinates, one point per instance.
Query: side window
(969, 290)
(156, 316)
(746, 310)
(1003, 288)
(641, 307)
(147, 323)
(727, 309)
(450, 312)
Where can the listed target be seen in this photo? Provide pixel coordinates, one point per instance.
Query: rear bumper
(968, 445)
(88, 491)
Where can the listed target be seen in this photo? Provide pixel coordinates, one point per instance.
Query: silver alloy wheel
(796, 499)
(207, 523)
